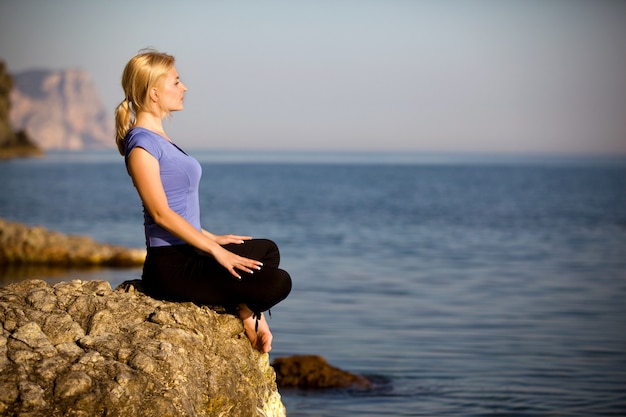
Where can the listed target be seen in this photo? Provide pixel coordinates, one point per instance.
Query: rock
(61, 110)
(20, 244)
(12, 143)
(80, 348)
(22, 147)
(313, 372)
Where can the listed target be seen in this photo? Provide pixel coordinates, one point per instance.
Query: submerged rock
(314, 372)
(21, 244)
(80, 348)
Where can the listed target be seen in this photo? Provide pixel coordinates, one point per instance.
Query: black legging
(183, 273)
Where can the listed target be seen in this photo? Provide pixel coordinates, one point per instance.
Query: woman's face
(173, 92)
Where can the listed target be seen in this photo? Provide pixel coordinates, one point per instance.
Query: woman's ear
(154, 94)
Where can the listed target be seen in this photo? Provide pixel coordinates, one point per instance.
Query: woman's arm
(144, 170)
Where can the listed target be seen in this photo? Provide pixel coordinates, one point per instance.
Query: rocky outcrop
(20, 244)
(12, 143)
(61, 110)
(314, 372)
(80, 348)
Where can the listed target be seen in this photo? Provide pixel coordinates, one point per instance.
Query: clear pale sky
(529, 76)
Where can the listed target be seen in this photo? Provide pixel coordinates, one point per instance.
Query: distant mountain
(61, 110)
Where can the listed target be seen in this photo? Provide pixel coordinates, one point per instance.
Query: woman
(184, 261)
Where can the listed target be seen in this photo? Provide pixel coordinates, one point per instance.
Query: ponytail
(123, 123)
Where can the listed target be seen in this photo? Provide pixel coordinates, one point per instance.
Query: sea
(461, 284)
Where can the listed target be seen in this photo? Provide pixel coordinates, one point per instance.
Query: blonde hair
(144, 71)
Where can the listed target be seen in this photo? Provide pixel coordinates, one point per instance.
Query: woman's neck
(151, 122)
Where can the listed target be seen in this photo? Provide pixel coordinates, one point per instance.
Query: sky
(522, 77)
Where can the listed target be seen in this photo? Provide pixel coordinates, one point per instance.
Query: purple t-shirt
(180, 175)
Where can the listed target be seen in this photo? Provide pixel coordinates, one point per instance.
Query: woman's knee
(283, 285)
(271, 253)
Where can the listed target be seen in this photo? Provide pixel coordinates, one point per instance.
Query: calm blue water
(471, 286)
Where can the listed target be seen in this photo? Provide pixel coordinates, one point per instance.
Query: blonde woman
(185, 262)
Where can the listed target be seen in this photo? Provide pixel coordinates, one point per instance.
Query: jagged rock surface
(20, 244)
(61, 110)
(81, 349)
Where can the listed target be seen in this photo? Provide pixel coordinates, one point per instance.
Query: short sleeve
(142, 139)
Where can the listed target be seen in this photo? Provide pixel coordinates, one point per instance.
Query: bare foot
(259, 334)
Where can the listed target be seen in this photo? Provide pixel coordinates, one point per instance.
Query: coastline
(35, 245)
(23, 151)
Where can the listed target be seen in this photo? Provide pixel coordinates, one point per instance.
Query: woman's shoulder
(144, 138)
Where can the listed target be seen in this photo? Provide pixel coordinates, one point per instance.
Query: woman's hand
(233, 262)
(226, 239)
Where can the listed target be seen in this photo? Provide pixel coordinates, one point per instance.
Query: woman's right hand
(233, 262)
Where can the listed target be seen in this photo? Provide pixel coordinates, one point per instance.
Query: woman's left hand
(226, 239)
